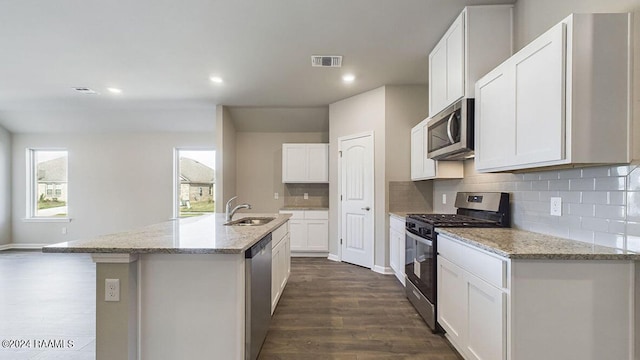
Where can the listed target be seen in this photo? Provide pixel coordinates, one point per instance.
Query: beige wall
(354, 115)
(225, 187)
(117, 182)
(534, 17)
(259, 166)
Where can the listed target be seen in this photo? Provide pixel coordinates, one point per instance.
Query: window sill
(47, 220)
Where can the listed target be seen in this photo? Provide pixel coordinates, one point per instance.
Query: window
(195, 170)
(47, 176)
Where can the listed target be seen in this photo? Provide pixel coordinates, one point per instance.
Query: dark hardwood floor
(332, 310)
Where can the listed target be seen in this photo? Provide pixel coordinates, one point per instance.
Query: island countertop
(204, 234)
(519, 244)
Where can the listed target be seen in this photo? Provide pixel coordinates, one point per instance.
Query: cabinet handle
(365, 208)
(449, 132)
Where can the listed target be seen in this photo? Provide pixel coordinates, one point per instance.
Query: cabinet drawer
(396, 224)
(278, 234)
(316, 214)
(294, 214)
(489, 268)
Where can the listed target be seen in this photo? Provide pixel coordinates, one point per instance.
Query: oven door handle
(419, 239)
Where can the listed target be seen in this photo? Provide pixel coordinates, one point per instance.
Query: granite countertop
(519, 244)
(298, 208)
(204, 234)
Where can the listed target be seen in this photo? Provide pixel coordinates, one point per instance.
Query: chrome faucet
(230, 212)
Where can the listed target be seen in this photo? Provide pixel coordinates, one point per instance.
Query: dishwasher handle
(257, 247)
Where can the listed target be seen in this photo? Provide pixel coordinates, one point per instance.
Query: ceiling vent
(85, 90)
(326, 61)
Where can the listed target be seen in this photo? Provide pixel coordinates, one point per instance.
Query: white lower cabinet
(397, 247)
(495, 308)
(280, 263)
(470, 309)
(309, 232)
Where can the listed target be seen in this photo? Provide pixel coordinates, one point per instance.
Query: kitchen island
(181, 288)
(513, 294)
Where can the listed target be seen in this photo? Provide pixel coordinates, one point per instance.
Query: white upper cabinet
(305, 163)
(563, 99)
(423, 168)
(478, 40)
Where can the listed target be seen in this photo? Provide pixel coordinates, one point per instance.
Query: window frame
(32, 187)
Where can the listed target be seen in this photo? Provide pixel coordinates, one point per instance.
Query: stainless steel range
(486, 209)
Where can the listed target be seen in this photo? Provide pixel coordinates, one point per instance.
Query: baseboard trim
(308, 254)
(333, 257)
(383, 270)
(5, 247)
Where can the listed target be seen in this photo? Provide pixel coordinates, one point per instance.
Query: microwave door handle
(449, 131)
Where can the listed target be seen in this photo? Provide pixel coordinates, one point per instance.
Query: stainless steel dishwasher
(257, 296)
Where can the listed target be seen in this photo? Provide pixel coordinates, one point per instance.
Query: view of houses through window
(196, 175)
(50, 187)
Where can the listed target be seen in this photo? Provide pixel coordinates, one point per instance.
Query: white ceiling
(161, 53)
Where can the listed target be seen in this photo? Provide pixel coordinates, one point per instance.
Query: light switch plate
(556, 206)
(444, 199)
(306, 196)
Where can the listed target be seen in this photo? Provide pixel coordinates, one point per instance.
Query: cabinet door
(276, 275)
(539, 98)
(298, 234)
(438, 78)
(317, 235)
(454, 39)
(393, 250)
(494, 123)
(417, 152)
(485, 336)
(318, 162)
(294, 162)
(452, 300)
(287, 257)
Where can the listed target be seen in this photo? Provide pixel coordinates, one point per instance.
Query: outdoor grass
(197, 209)
(46, 204)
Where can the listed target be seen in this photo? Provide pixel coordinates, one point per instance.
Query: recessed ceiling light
(216, 79)
(348, 78)
(114, 90)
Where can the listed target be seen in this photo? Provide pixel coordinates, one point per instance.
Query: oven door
(420, 264)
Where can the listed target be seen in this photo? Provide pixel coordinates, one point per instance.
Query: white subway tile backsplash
(571, 196)
(611, 240)
(581, 209)
(615, 212)
(559, 185)
(595, 172)
(616, 198)
(540, 185)
(570, 174)
(610, 183)
(596, 202)
(582, 184)
(595, 197)
(595, 224)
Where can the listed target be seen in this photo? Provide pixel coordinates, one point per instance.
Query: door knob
(366, 208)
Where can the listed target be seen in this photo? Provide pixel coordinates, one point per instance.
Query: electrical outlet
(64, 230)
(112, 290)
(276, 196)
(444, 199)
(556, 206)
(306, 196)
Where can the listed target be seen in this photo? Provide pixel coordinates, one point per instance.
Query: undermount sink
(250, 221)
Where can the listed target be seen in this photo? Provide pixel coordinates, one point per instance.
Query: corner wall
(225, 157)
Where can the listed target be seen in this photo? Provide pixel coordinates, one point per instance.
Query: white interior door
(356, 189)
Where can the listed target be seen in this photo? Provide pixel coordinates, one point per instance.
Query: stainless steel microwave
(450, 133)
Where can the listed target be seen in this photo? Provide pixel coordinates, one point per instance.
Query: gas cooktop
(451, 220)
